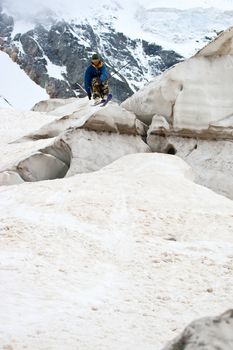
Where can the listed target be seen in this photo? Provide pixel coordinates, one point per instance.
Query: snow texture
(16, 87)
(192, 94)
(122, 258)
(59, 147)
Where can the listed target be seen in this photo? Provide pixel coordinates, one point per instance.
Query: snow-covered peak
(183, 30)
(140, 31)
(79, 9)
(179, 25)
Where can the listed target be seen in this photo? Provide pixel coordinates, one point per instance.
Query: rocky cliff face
(67, 47)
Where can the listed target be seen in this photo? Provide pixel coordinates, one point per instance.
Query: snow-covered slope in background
(16, 87)
(152, 36)
(184, 31)
(80, 8)
(178, 25)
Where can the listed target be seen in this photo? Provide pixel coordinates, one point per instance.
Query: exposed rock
(6, 26)
(30, 46)
(58, 88)
(209, 333)
(70, 46)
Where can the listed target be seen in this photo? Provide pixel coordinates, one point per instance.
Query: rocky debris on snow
(213, 333)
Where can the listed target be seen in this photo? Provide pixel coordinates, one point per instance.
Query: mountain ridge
(54, 52)
(69, 46)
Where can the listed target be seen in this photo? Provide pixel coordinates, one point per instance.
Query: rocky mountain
(180, 112)
(54, 48)
(69, 46)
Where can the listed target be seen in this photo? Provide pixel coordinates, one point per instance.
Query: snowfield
(122, 258)
(16, 87)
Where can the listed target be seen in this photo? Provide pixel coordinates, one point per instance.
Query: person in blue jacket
(96, 79)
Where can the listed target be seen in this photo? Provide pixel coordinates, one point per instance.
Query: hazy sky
(75, 8)
(32, 6)
(66, 8)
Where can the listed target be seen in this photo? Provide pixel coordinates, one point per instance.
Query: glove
(89, 95)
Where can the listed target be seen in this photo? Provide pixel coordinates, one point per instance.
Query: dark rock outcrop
(209, 333)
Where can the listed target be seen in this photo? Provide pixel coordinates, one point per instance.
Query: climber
(96, 79)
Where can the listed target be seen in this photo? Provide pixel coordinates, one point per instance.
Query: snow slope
(16, 87)
(4, 103)
(122, 258)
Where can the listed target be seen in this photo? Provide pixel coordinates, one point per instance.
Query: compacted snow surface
(122, 258)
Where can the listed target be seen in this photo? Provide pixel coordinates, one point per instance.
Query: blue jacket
(94, 72)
